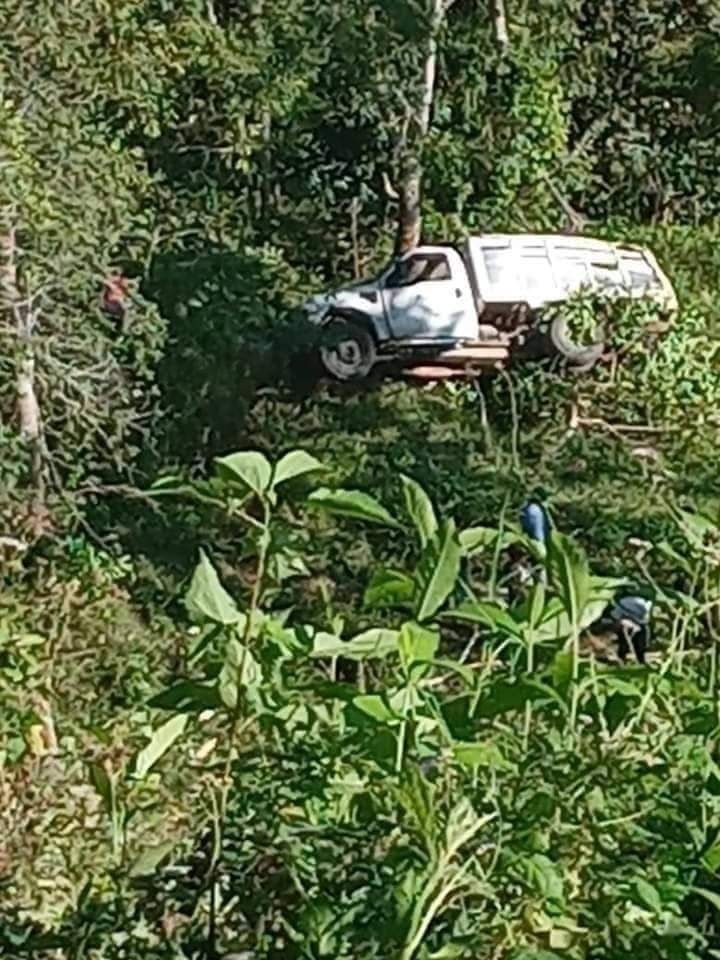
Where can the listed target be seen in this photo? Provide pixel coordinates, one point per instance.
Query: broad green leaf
(207, 599)
(288, 565)
(294, 464)
(556, 624)
(562, 668)
(709, 895)
(648, 895)
(476, 755)
(228, 688)
(376, 642)
(388, 588)
(438, 571)
(711, 857)
(149, 860)
(570, 573)
(404, 700)
(416, 795)
(240, 669)
(488, 614)
(186, 697)
(476, 539)
(420, 509)
(104, 786)
(352, 503)
(375, 706)
(417, 643)
(544, 876)
(250, 468)
(160, 742)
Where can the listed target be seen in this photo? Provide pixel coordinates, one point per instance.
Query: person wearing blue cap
(535, 522)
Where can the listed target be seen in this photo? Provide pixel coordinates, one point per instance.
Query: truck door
(427, 295)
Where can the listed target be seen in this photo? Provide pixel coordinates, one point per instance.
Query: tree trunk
(409, 226)
(497, 9)
(409, 230)
(19, 314)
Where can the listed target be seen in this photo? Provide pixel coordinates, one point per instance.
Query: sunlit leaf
(249, 468)
(476, 539)
(376, 707)
(709, 895)
(160, 742)
(240, 670)
(437, 571)
(376, 642)
(295, 464)
(544, 876)
(481, 754)
(146, 864)
(648, 895)
(207, 599)
(354, 504)
(417, 643)
(420, 509)
(711, 857)
(570, 573)
(561, 670)
(487, 614)
(404, 700)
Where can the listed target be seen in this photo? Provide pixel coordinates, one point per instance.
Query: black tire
(580, 358)
(348, 350)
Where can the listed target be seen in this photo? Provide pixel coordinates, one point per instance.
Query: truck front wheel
(348, 350)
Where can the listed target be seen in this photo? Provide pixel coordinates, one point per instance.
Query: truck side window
(419, 268)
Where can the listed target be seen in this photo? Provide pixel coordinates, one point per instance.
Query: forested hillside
(265, 704)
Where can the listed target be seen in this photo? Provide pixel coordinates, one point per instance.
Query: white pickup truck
(464, 307)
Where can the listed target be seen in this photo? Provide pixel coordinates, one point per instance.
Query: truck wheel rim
(344, 358)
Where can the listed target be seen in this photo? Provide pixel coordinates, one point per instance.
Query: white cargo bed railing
(504, 269)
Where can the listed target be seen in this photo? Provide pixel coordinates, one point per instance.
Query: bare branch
(577, 221)
(390, 190)
(119, 489)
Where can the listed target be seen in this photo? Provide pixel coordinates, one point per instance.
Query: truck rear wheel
(580, 356)
(348, 350)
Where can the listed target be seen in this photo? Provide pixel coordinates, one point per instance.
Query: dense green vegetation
(243, 710)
